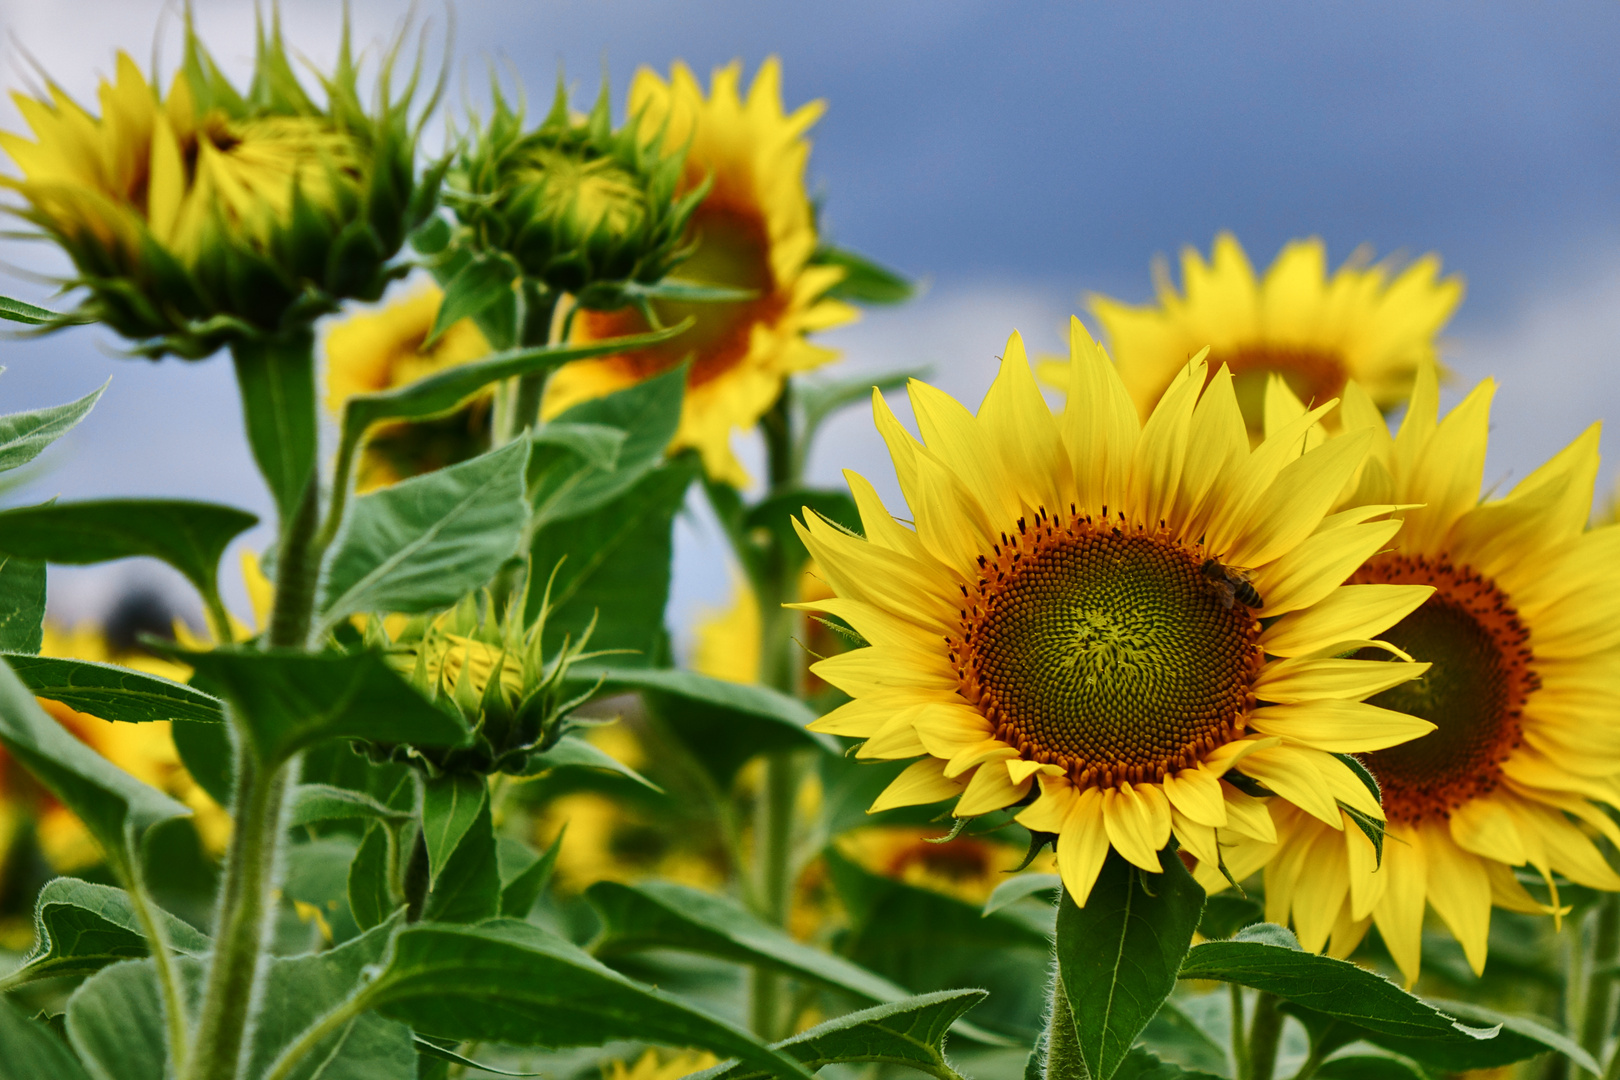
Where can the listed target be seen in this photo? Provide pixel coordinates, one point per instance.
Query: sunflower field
(1199, 710)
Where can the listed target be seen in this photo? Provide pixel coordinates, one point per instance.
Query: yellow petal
(1339, 727)
(1137, 818)
(1398, 914)
(1196, 793)
(1082, 845)
(1308, 679)
(1460, 892)
(921, 783)
(990, 789)
(1348, 612)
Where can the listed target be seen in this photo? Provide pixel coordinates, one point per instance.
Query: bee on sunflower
(1317, 331)
(1050, 619)
(754, 230)
(1521, 640)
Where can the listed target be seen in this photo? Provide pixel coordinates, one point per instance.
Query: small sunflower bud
(577, 206)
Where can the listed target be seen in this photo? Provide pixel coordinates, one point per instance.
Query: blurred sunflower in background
(754, 230)
(386, 348)
(726, 644)
(661, 1065)
(1521, 642)
(1063, 615)
(1366, 323)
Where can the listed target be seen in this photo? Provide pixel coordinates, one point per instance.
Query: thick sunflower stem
(1597, 1017)
(539, 308)
(1063, 1059)
(1240, 1037)
(773, 817)
(1265, 1036)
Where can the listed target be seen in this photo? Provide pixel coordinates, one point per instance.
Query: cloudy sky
(1014, 157)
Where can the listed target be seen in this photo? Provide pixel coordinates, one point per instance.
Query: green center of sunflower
(1103, 648)
(1474, 694)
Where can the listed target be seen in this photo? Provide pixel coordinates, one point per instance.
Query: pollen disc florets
(1483, 670)
(1099, 646)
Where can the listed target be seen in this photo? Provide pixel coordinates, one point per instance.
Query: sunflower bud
(576, 205)
(516, 701)
(208, 216)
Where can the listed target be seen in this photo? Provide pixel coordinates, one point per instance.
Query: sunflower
(383, 349)
(1522, 635)
(754, 230)
(1063, 614)
(1314, 330)
(205, 215)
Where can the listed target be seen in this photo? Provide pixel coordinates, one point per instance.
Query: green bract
(573, 204)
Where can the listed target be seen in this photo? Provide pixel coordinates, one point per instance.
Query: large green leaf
(1520, 1037)
(450, 805)
(300, 990)
(115, 1020)
(33, 1051)
(1018, 887)
(520, 892)
(276, 379)
(1119, 955)
(507, 981)
(426, 542)
(368, 888)
(189, 536)
(910, 1033)
(313, 803)
(290, 700)
(613, 567)
(23, 435)
(723, 723)
(22, 605)
(1144, 1065)
(113, 692)
(572, 752)
(1332, 988)
(112, 804)
(1370, 1067)
(81, 927)
(568, 485)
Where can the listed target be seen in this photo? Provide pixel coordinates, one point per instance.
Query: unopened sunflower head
(574, 203)
(517, 701)
(1133, 631)
(209, 215)
(1372, 323)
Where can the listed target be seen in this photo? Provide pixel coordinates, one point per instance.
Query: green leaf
(18, 311)
(596, 445)
(776, 513)
(1520, 1037)
(300, 990)
(518, 896)
(1144, 1065)
(290, 700)
(565, 486)
(450, 805)
(1018, 887)
(22, 605)
(865, 282)
(725, 723)
(434, 1050)
(189, 536)
(820, 399)
(311, 803)
(572, 752)
(113, 805)
(112, 692)
(115, 1021)
(1370, 1067)
(909, 1032)
(426, 542)
(277, 383)
(510, 982)
(205, 751)
(23, 435)
(33, 1051)
(80, 928)
(1119, 954)
(370, 901)
(613, 567)
(444, 391)
(1334, 988)
(482, 282)
(468, 890)
(1225, 913)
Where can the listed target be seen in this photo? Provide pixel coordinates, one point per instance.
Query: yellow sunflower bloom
(1523, 637)
(383, 349)
(754, 230)
(668, 1065)
(1063, 613)
(1314, 330)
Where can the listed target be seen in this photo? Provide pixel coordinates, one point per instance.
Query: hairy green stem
(539, 308)
(243, 926)
(157, 945)
(312, 1036)
(1596, 1018)
(1063, 1058)
(1265, 1035)
(1241, 1067)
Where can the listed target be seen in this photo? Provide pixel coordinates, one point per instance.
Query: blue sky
(1015, 156)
